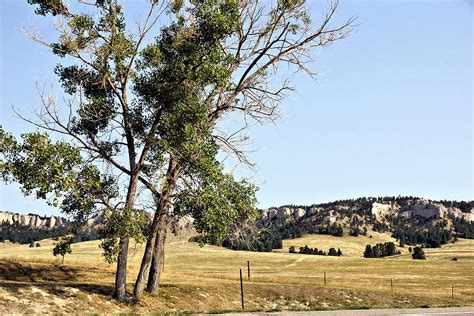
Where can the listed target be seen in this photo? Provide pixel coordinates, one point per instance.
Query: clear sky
(390, 113)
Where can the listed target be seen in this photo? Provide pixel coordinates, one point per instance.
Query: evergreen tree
(332, 252)
(368, 252)
(418, 253)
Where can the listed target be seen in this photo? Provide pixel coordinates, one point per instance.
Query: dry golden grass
(206, 278)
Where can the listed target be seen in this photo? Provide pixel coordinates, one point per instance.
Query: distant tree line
(418, 230)
(22, 234)
(315, 251)
(463, 227)
(17, 233)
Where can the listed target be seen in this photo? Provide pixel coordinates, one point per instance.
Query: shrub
(418, 253)
(332, 252)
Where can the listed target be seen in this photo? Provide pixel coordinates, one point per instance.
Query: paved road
(464, 311)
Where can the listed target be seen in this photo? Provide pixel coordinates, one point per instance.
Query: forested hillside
(411, 220)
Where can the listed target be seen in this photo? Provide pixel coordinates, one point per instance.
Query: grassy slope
(204, 279)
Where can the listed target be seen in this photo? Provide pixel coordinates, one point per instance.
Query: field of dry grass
(204, 279)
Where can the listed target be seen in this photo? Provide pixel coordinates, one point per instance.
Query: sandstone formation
(32, 220)
(380, 210)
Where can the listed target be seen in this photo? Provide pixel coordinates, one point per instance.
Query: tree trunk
(121, 273)
(157, 261)
(147, 256)
(158, 225)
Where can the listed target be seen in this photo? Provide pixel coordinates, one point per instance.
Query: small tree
(63, 247)
(332, 252)
(410, 249)
(32, 244)
(418, 253)
(292, 249)
(339, 252)
(37, 244)
(368, 252)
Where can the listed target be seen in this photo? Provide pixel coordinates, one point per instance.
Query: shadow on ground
(50, 278)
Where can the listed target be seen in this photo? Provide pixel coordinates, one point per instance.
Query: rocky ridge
(32, 220)
(380, 210)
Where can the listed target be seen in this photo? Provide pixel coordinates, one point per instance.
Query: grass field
(203, 279)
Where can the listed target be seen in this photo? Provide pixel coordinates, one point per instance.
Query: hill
(411, 221)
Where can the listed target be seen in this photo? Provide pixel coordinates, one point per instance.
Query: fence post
(241, 289)
(325, 279)
(248, 269)
(452, 291)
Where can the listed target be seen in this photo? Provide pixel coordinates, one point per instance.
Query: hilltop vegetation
(410, 220)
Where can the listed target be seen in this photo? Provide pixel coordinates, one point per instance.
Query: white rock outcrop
(32, 220)
(380, 210)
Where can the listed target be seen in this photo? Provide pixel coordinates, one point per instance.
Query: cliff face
(380, 210)
(32, 220)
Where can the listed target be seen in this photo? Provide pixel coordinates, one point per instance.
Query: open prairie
(204, 279)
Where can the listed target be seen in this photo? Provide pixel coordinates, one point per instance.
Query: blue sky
(390, 112)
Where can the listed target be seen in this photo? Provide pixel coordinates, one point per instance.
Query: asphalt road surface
(417, 311)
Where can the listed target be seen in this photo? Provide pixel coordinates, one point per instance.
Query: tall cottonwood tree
(144, 108)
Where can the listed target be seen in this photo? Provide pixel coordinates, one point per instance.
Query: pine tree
(368, 252)
(418, 253)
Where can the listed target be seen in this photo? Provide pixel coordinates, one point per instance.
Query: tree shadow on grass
(54, 279)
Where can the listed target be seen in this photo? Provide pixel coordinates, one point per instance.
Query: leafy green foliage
(216, 203)
(63, 247)
(53, 7)
(54, 171)
(119, 223)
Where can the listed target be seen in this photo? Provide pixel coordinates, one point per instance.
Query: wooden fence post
(325, 279)
(248, 269)
(241, 289)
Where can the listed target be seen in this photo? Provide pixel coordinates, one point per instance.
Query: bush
(292, 249)
(32, 245)
(418, 253)
(37, 244)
